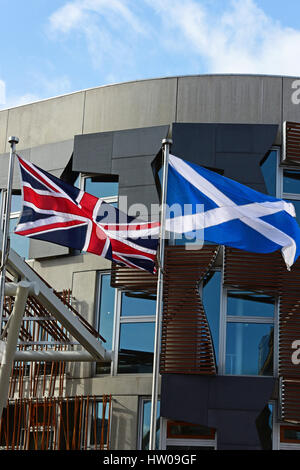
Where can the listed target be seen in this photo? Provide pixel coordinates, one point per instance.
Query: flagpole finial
(167, 141)
(13, 140)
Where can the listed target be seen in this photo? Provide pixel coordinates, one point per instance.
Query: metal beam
(65, 356)
(19, 268)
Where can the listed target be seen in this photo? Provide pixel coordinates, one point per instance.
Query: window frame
(166, 441)
(125, 320)
(82, 179)
(225, 319)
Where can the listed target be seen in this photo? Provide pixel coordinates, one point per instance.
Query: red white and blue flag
(60, 213)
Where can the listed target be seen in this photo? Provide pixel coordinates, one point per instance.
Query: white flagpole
(5, 224)
(159, 296)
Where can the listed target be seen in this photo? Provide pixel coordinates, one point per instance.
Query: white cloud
(237, 37)
(240, 39)
(110, 29)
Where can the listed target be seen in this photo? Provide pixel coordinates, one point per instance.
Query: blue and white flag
(232, 214)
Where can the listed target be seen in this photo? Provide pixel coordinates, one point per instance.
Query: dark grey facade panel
(138, 142)
(133, 170)
(127, 154)
(92, 153)
(145, 196)
(230, 404)
(234, 149)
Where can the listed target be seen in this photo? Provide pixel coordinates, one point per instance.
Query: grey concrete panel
(229, 99)
(92, 153)
(291, 99)
(130, 105)
(135, 170)
(4, 163)
(3, 126)
(52, 156)
(136, 142)
(48, 121)
(39, 249)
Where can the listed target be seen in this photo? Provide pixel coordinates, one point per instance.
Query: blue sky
(52, 47)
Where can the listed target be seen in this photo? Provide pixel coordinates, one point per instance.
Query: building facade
(230, 360)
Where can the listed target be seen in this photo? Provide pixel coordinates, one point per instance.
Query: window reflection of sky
(211, 303)
(248, 345)
(243, 303)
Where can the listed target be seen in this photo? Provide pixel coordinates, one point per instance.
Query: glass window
(137, 304)
(106, 318)
(178, 429)
(269, 168)
(18, 243)
(16, 203)
(290, 434)
(145, 424)
(296, 204)
(136, 347)
(101, 189)
(211, 302)
(99, 425)
(249, 348)
(243, 303)
(291, 181)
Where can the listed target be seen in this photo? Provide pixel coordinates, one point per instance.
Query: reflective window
(136, 347)
(16, 203)
(145, 424)
(106, 318)
(243, 303)
(18, 243)
(211, 302)
(291, 181)
(99, 425)
(99, 188)
(137, 304)
(290, 434)
(296, 204)
(249, 349)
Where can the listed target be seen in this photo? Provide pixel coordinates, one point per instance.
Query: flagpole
(159, 295)
(6, 214)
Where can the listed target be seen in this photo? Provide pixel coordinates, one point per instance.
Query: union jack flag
(60, 213)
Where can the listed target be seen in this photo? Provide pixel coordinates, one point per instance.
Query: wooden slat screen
(56, 424)
(267, 273)
(186, 345)
(131, 279)
(292, 143)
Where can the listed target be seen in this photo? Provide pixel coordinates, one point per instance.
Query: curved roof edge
(171, 77)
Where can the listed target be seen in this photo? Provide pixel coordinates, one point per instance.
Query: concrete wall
(203, 98)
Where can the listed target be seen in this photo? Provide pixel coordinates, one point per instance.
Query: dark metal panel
(137, 142)
(229, 404)
(92, 153)
(235, 149)
(133, 170)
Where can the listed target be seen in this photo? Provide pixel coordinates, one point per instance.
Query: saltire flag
(232, 214)
(60, 213)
